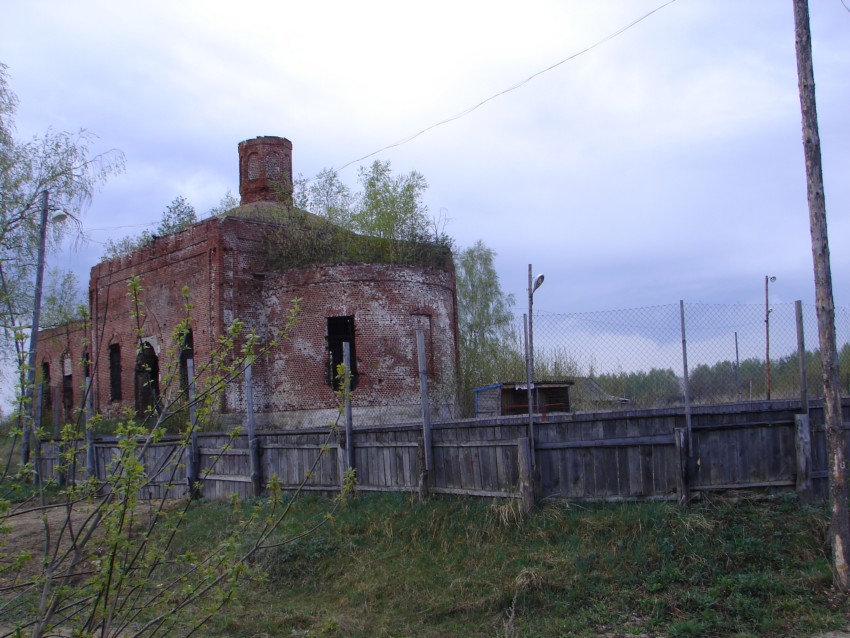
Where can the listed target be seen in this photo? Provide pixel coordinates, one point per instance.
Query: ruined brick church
(248, 265)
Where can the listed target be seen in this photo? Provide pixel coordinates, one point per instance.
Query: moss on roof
(300, 238)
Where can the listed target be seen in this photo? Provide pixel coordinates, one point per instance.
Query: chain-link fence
(636, 357)
(614, 359)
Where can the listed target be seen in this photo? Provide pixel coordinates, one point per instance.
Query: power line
(466, 112)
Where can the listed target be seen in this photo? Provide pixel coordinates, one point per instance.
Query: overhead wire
(467, 111)
(516, 86)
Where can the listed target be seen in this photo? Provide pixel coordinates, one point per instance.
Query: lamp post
(529, 355)
(767, 310)
(36, 317)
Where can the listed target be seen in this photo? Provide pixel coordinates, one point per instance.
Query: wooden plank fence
(621, 455)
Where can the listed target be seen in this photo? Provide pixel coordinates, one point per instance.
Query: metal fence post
(801, 356)
(253, 443)
(528, 380)
(349, 421)
(685, 378)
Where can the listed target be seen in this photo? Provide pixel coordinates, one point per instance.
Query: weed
(387, 566)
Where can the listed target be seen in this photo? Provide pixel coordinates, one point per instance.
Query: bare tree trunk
(840, 527)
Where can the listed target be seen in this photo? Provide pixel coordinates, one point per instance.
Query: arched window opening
(147, 380)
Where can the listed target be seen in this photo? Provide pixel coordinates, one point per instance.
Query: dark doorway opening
(147, 380)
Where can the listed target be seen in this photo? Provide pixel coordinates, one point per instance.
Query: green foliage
(721, 382)
(327, 196)
(62, 299)
(656, 388)
(490, 350)
(388, 566)
(108, 563)
(119, 247)
(178, 215)
(63, 164)
(227, 203)
(386, 222)
(391, 208)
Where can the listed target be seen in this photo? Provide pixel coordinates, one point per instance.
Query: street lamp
(767, 310)
(529, 355)
(36, 317)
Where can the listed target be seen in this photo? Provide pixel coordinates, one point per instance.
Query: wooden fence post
(423, 473)
(426, 407)
(682, 455)
(803, 442)
(526, 474)
(253, 442)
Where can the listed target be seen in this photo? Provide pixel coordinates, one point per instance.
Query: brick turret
(265, 170)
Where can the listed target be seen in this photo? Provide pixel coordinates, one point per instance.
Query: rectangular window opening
(114, 372)
(340, 330)
(67, 386)
(45, 382)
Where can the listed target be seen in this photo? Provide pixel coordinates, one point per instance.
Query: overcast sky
(665, 163)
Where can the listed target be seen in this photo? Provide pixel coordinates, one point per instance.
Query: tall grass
(387, 566)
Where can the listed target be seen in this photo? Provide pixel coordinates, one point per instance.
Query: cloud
(663, 164)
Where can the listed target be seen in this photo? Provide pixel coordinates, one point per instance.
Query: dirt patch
(29, 529)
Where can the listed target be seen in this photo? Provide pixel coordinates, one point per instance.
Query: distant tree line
(722, 382)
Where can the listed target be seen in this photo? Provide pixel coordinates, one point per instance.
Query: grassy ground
(387, 566)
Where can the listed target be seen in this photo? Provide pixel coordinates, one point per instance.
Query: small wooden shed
(502, 399)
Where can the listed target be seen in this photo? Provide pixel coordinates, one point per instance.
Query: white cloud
(664, 163)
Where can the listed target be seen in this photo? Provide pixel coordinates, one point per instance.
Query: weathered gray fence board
(614, 455)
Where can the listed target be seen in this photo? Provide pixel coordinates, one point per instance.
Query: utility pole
(839, 530)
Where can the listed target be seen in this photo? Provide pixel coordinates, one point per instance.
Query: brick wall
(265, 170)
(190, 258)
(224, 263)
(60, 374)
(388, 304)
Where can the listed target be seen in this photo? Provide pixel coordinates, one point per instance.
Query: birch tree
(486, 326)
(62, 163)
